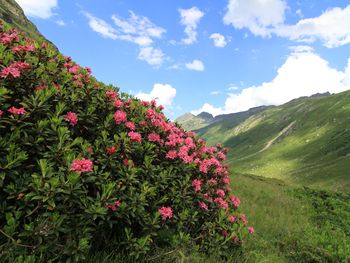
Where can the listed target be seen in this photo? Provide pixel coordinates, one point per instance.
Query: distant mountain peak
(205, 115)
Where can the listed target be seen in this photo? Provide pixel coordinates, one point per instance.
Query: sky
(219, 56)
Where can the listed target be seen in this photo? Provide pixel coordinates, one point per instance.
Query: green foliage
(80, 171)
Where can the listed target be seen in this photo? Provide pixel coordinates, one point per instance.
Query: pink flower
(118, 103)
(120, 116)
(11, 70)
(235, 201)
(244, 219)
(224, 233)
(82, 166)
(222, 203)
(231, 218)
(203, 205)
(111, 94)
(130, 125)
(134, 136)
(17, 111)
(1, 113)
(165, 212)
(21, 65)
(113, 206)
(28, 48)
(220, 193)
(251, 230)
(171, 154)
(111, 150)
(74, 69)
(72, 118)
(222, 156)
(153, 137)
(196, 183)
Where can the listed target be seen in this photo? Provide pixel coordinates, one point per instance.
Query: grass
(292, 224)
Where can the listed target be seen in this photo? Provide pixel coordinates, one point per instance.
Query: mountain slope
(305, 141)
(13, 14)
(204, 120)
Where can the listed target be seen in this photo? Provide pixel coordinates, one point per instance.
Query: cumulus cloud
(164, 94)
(190, 19)
(332, 28)
(195, 65)
(153, 56)
(136, 29)
(264, 18)
(37, 8)
(256, 15)
(303, 73)
(219, 40)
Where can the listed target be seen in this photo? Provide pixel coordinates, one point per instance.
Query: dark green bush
(83, 168)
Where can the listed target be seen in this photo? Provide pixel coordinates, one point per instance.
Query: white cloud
(256, 15)
(190, 19)
(303, 73)
(102, 27)
(137, 29)
(195, 65)
(215, 92)
(60, 22)
(263, 18)
(301, 48)
(299, 13)
(219, 40)
(332, 28)
(37, 8)
(153, 56)
(163, 93)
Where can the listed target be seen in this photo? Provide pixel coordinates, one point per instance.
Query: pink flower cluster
(17, 111)
(82, 166)
(111, 94)
(111, 150)
(7, 39)
(135, 136)
(165, 212)
(120, 116)
(72, 118)
(235, 201)
(14, 69)
(196, 183)
(25, 48)
(114, 206)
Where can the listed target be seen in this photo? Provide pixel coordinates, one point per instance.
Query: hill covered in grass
(305, 141)
(12, 13)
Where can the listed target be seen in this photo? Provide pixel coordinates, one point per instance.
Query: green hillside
(13, 14)
(305, 141)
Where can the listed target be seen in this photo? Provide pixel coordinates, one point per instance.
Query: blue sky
(218, 56)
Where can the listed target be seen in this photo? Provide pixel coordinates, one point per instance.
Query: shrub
(84, 168)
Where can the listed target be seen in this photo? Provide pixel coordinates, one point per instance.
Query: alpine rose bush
(84, 168)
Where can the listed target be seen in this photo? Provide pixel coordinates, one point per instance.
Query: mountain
(305, 141)
(191, 122)
(13, 14)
